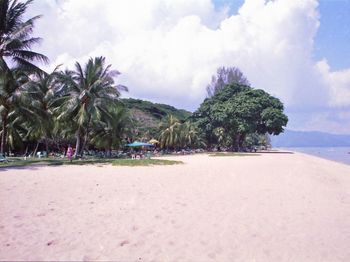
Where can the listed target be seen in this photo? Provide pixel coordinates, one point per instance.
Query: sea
(338, 154)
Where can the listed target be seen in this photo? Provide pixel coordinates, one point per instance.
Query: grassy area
(144, 162)
(20, 162)
(232, 154)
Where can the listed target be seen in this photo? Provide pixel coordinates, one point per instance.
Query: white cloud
(168, 50)
(338, 83)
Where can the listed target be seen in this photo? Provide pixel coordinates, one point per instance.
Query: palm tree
(41, 92)
(108, 130)
(11, 88)
(15, 49)
(189, 134)
(89, 91)
(15, 35)
(170, 135)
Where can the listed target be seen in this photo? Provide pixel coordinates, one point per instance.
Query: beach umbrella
(153, 141)
(138, 144)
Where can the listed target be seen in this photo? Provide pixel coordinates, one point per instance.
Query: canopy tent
(138, 144)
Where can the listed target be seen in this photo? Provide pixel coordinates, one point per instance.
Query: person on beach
(69, 153)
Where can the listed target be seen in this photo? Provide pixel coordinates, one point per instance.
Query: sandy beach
(271, 207)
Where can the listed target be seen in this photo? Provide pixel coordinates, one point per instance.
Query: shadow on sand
(28, 167)
(275, 152)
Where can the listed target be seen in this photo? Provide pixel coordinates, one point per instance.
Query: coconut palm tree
(15, 49)
(189, 134)
(12, 83)
(171, 133)
(107, 131)
(88, 93)
(15, 35)
(41, 93)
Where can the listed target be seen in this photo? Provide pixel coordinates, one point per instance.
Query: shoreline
(345, 161)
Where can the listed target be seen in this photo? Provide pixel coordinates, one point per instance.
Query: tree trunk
(86, 137)
(4, 134)
(36, 148)
(47, 146)
(77, 145)
(26, 152)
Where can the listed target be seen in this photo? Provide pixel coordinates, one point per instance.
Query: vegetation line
(16, 162)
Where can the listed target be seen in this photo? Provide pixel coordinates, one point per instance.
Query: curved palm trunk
(4, 134)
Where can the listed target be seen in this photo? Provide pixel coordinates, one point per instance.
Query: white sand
(273, 207)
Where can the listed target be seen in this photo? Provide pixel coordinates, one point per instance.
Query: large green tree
(239, 110)
(88, 93)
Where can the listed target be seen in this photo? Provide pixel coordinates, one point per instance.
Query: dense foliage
(236, 111)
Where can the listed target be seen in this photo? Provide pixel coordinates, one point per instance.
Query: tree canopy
(236, 111)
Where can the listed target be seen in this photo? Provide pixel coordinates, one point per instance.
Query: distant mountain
(309, 139)
(147, 116)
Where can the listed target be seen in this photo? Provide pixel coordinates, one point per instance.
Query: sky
(168, 50)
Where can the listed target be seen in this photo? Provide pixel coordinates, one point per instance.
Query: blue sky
(167, 50)
(333, 37)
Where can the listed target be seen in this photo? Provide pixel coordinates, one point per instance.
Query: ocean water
(338, 154)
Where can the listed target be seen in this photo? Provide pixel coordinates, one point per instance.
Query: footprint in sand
(52, 242)
(123, 243)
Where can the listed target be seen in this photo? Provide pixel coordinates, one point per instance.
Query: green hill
(147, 116)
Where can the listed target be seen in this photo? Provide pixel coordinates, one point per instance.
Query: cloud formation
(167, 50)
